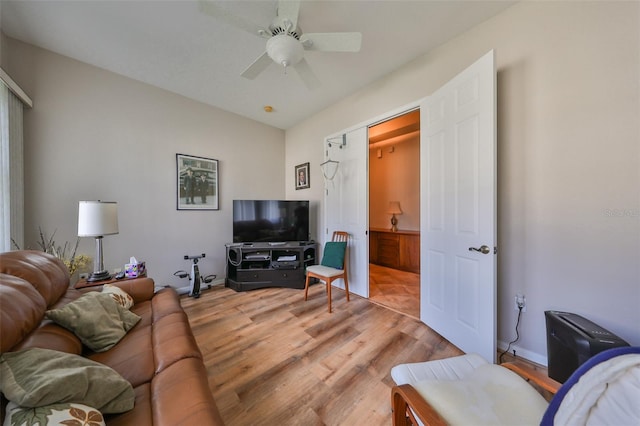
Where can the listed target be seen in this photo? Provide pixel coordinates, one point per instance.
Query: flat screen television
(270, 221)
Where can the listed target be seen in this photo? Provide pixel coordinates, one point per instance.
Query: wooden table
(83, 283)
(397, 250)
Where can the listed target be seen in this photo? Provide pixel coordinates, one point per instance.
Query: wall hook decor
(341, 141)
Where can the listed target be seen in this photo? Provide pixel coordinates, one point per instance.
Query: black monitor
(270, 221)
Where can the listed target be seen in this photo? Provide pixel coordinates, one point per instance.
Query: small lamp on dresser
(394, 209)
(97, 219)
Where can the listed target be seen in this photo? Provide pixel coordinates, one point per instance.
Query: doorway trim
(396, 112)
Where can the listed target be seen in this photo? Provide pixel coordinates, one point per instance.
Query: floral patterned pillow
(69, 414)
(119, 295)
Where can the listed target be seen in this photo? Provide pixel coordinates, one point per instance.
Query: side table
(83, 283)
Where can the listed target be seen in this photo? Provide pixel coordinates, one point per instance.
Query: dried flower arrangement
(71, 259)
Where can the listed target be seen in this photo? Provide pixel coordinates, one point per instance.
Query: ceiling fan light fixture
(285, 50)
(286, 42)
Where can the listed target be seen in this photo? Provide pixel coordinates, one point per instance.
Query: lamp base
(99, 276)
(394, 222)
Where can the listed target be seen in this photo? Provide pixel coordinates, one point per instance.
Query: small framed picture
(197, 183)
(302, 176)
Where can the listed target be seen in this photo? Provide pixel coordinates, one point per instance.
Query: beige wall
(568, 154)
(395, 176)
(93, 135)
(569, 161)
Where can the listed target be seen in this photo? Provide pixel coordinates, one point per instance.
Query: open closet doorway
(394, 213)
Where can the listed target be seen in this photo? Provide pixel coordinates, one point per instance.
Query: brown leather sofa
(159, 356)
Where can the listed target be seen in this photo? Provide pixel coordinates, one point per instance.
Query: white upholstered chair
(467, 390)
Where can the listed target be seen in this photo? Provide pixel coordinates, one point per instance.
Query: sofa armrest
(406, 402)
(140, 289)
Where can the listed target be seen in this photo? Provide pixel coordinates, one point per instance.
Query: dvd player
(257, 256)
(288, 264)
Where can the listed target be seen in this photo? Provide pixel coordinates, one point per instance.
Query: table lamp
(394, 209)
(97, 219)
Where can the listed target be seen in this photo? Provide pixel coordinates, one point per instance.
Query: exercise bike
(194, 277)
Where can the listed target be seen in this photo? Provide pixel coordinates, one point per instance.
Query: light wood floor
(274, 359)
(395, 289)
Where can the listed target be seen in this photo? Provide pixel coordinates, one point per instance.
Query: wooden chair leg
(346, 286)
(329, 293)
(306, 286)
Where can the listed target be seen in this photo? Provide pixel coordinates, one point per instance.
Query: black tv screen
(270, 221)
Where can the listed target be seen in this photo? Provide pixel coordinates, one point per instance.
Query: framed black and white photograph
(302, 176)
(197, 183)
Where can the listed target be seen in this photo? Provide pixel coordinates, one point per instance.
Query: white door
(458, 200)
(346, 204)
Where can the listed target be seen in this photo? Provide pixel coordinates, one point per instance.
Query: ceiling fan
(286, 42)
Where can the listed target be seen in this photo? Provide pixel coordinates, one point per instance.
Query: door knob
(482, 249)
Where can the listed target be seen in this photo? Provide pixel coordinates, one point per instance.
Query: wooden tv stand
(258, 265)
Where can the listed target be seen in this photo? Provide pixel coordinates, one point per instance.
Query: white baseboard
(203, 287)
(524, 353)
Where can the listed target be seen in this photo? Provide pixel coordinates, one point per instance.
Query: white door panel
(458, 164)
(346, 205)
(458, 198)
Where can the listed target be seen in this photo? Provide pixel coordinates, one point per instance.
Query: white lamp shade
(394, 207)
(97, 218)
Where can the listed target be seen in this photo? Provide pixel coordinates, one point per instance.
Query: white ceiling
(172, 45)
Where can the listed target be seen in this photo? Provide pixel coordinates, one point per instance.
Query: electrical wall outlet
(520, 302)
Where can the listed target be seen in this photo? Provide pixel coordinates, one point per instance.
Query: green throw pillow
(98, 320)
(37, 377)
(333, 255)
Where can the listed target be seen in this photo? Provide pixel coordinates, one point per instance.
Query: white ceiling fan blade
(214, 9)
(332, 42)
(289, 9)
(306, 74)
(257, 66)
